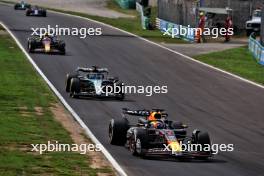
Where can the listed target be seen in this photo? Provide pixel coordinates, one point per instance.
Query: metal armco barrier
(127, 4)
(256, 49)
(165, 25)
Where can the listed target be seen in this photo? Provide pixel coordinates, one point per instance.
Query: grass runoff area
(238, 61)
(21, 91)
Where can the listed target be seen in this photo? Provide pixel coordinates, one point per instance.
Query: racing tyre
(62, 51)
(203, 139)
(27, 13)
(118, 131)
(139, 143)
(30, 47)
(68, 81)
(44, 14)
(74, 87)
(121, 97)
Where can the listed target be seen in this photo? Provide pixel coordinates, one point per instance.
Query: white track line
(168, 49)
(110, 158)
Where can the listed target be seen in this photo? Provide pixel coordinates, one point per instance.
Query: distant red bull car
(46, 44)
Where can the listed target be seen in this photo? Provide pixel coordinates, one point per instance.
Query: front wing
(94, 95)
(185, 154)
(42, 50)
(36, 13)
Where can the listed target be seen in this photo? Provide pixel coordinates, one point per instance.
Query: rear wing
(94, 69)
(143, 112)
(136, 112)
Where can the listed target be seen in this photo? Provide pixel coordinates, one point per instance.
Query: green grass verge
(22, 88)
(238, 61)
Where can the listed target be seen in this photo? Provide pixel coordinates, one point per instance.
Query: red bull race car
(36, 11)
(46, 44)
(155, 135)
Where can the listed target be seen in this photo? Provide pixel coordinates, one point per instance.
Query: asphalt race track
(231, 110)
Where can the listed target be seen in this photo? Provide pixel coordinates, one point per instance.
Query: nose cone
(175, 147)
(47, 47)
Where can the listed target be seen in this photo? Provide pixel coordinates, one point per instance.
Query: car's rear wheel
(75, 87)
(118, 131)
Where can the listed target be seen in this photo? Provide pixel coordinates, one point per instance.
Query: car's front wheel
(203, 139)
(44, 14)
(68, 81)
(30, 47)
(27, 13)
(75, 87)
(62, 51)
(138, 143)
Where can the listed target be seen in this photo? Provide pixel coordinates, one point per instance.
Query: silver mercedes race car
(21, 6)
(93, 82)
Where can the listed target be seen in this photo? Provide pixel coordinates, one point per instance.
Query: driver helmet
(155, 116)
(46, 34)
(92, 76)
(156, 124)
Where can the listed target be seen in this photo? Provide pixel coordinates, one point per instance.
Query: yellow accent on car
(47, 47)
(175, 146)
